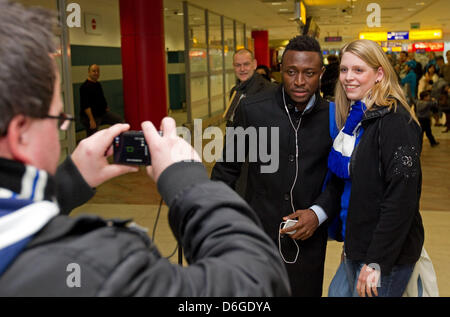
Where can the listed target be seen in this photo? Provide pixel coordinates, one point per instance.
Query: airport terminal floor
(135, 196)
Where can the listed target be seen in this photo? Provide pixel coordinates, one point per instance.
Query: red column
(261, 44)
(143, 61)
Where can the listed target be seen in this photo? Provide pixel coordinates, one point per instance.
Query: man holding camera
(37, 244)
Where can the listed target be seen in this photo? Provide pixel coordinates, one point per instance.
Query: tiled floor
(135, 196)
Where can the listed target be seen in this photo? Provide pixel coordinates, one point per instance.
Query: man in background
(94, 110)
(248, 81)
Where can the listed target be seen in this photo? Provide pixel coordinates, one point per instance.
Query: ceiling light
(420, 3)
(276, 3)
(283, 10)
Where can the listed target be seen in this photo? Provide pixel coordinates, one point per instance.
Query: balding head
(244, 64)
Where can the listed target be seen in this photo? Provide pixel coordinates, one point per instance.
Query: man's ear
(19, 137)
(322, 71)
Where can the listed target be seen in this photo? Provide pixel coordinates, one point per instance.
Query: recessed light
(420, 3)
(276, 3)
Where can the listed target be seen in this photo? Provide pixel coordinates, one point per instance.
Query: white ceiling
(396, 15)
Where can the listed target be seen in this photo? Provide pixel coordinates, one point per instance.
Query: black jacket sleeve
(227, 251)
(72, 189)
(228, 169)
(330, 198)
(400, 163)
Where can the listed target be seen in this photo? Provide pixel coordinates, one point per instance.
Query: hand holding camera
(166, 149)
(90, 156)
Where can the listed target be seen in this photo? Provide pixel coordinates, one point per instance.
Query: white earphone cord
(295, 180)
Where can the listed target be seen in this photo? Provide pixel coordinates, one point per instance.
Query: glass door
(63, 60)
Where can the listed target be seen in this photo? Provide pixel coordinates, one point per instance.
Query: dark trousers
(426, 128)
(108, 118)
(306, 274)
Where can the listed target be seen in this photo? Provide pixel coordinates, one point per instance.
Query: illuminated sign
(392, 36)
(300, 12)
(374, 36)
(198, 54)
(427, 47)
(333, 39)
(425, 35)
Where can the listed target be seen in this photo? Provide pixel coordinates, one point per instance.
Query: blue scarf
(339, 159)
(346, 141)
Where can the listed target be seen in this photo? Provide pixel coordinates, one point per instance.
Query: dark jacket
(250, 87)
(329, 79)
(228, 253)
(92, 96)
(254, 85)
(384, 225)
(269, 193)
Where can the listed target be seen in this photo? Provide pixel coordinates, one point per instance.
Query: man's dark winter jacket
(243, 89)
(269, 193)
(227, 252)
(254, 85)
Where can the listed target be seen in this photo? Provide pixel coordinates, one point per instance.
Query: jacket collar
(291, 104)
(375, 112)
(242, 85)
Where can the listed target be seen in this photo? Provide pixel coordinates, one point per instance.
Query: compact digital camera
(130, 148)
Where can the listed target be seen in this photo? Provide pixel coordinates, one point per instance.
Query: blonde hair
(386, 93)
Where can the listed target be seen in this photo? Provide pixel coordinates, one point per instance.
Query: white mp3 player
(289, 223)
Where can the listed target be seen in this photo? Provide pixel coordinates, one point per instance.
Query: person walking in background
(423, 111)
(428, 79)
(377, 154)
(444, 106)
(94, 110)
(410, 81)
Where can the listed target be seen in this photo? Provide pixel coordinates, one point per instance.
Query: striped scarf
(26, 206)
(346, 141)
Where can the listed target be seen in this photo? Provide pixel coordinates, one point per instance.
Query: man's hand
(167, 149)
(90, 156)
(92, 124)
(306, 225)
(367, 281)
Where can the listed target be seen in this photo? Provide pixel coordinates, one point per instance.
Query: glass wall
(216, 63)
(230, 47)
(240, 36)
(210, 41)
(198, 63)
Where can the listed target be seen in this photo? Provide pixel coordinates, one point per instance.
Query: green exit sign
(415, 25)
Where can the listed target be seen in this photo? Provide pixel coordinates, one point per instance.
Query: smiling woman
(366, 73)
(381, 224)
